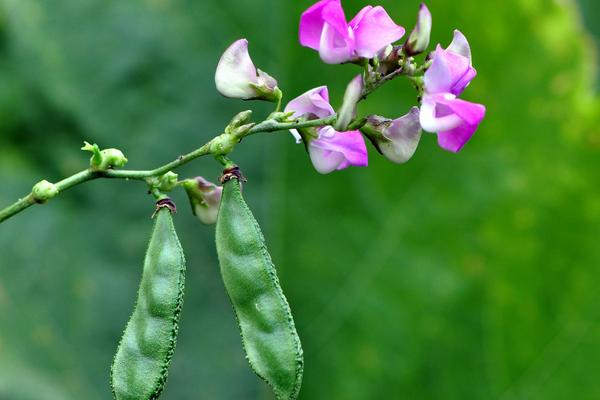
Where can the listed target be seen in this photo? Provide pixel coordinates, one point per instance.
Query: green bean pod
(267, 328)
(140, 367)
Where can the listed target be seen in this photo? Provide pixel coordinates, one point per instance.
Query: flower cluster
(369, 41)
(323, 27)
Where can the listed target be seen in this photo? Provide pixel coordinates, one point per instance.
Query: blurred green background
(469, 276)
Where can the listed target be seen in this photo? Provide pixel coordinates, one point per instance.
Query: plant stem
(88, 174)
(17, 207)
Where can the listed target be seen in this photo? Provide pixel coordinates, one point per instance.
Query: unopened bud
(239, 120)
(205, 198)
(351, 98)
(167, 182)
(418, 41)
(103, 160)
(237, 77)
(396, 139)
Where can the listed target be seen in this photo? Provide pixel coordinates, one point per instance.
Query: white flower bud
(238, 78)
(418, 41)
(351, 98)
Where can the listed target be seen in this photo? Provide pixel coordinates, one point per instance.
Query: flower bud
(102, 160)
(385, 53)
(205, 198)
(113, 158)
(396, 139)
(167, 182)
(238, 126)
(418, 41)
(388, 59)
(44, 191)
(238, 78)
(351, 98)
(238, 120)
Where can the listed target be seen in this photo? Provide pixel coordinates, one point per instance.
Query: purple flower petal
(335, 47)
(373, 30)
(455, 139)
(454, 120)
(403, 136)
(451, 70)
(470, 113)
(460, 45)
(337, 150)
(333, 15)
(447, 71)
(336, 44)
(323, 27)
(359, 17)
(312, 21)
(460, 85)
(324, 160)
(435, 117)
(313, 104)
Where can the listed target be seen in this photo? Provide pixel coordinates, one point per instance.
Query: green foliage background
(469, 276)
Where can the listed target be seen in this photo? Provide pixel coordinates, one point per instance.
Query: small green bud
(103, 160)
(44, 191)
(113, 158)
(242, 130)
(281, 116)
(167, 182)
(239, 120)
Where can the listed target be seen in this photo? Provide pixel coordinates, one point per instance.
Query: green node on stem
(163, 183)
(223, 144)
(44, 191)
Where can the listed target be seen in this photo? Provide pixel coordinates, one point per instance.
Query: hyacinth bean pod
(268, 333)
(140, 366)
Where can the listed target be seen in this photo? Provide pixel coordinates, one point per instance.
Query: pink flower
(329, 150)
(323, 27)
(454, 120)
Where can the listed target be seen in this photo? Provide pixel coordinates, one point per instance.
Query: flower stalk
(269, 125)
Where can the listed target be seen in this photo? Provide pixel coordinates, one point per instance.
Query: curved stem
(88, 174)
